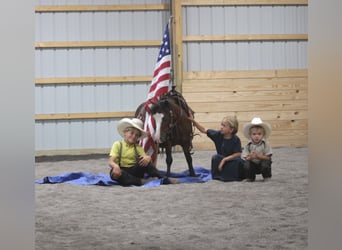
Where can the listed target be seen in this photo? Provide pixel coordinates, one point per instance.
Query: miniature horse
(175, 127)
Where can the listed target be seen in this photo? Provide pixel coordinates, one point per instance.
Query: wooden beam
(244, 84)
(97, 44)
(71, 152)
(178, 44)
(242, 2)
(97, 8)
(277, 125)
(271, 106)
(245, 74)
(91, 80)
(247, 37)
(259, 95)
(244, 116)
(72, 116)
(190, 76)
(292, 140)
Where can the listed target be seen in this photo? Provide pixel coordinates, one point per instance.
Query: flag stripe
(163, 65)
(163, 74)
(159, 86)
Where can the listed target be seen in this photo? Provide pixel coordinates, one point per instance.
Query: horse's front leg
(188, 158)
(168, 160)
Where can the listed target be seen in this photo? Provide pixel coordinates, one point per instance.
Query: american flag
(158, 87)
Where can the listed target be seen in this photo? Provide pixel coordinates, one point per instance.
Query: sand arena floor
(210, 215)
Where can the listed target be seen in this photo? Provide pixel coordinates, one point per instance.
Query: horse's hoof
(170, 180)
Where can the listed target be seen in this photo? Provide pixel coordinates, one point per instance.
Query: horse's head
(163, 112)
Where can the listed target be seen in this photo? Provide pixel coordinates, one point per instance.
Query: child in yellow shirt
(128, 160)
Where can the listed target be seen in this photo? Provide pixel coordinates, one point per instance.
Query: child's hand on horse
(191, 117)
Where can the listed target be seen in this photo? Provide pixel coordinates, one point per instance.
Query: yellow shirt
(128, 157)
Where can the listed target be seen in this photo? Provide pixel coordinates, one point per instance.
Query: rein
(172, 131)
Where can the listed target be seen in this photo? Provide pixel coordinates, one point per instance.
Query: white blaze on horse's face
(158, 117)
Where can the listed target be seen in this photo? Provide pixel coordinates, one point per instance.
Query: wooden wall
(278, 97)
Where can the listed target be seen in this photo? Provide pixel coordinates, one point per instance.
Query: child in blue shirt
(226, 164)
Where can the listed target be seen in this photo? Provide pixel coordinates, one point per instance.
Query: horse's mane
(179, 100)
(172, 95)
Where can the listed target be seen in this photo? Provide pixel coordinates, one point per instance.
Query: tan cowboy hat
(131, 123)
(256, 121)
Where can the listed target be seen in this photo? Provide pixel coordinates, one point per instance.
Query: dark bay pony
(175, 127)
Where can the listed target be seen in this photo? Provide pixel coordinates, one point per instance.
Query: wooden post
(177, 44)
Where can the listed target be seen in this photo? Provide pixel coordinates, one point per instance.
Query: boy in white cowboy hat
(128, 160)
(257, 154)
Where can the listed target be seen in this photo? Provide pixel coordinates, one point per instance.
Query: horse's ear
(164, 103)
(152, 106)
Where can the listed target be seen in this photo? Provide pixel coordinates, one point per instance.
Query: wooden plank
(245, 74)
(97, 44)
(275, 124)
(97, 8)
(271, 106)
(242, 2)
(197, 85)
(88, 151)
(288, 142)
(240, 96)
(292, 73)
(249, 84)
(246, 37)
(176, 36)
(91, 80)
(95, 115)
(245, 116)
(300, 138)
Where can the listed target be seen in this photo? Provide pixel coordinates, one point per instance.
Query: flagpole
(172, 83)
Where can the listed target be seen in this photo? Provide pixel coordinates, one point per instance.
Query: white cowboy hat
(131, 123)
(256, 121)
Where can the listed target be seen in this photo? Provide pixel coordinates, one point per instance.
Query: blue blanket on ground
(102, 179)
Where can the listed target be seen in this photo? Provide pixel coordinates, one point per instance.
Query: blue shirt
(223, 146)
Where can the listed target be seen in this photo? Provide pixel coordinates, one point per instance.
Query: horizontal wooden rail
(96, 115)
(89, 8)
(156, 43)
(257, 106)
(245, 74)
(187, 75)
(64, 153)
(242, 2)
(247, 37)
(91, 80)
(97, 44)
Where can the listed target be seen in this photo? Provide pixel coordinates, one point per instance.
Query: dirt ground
(210, 215)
